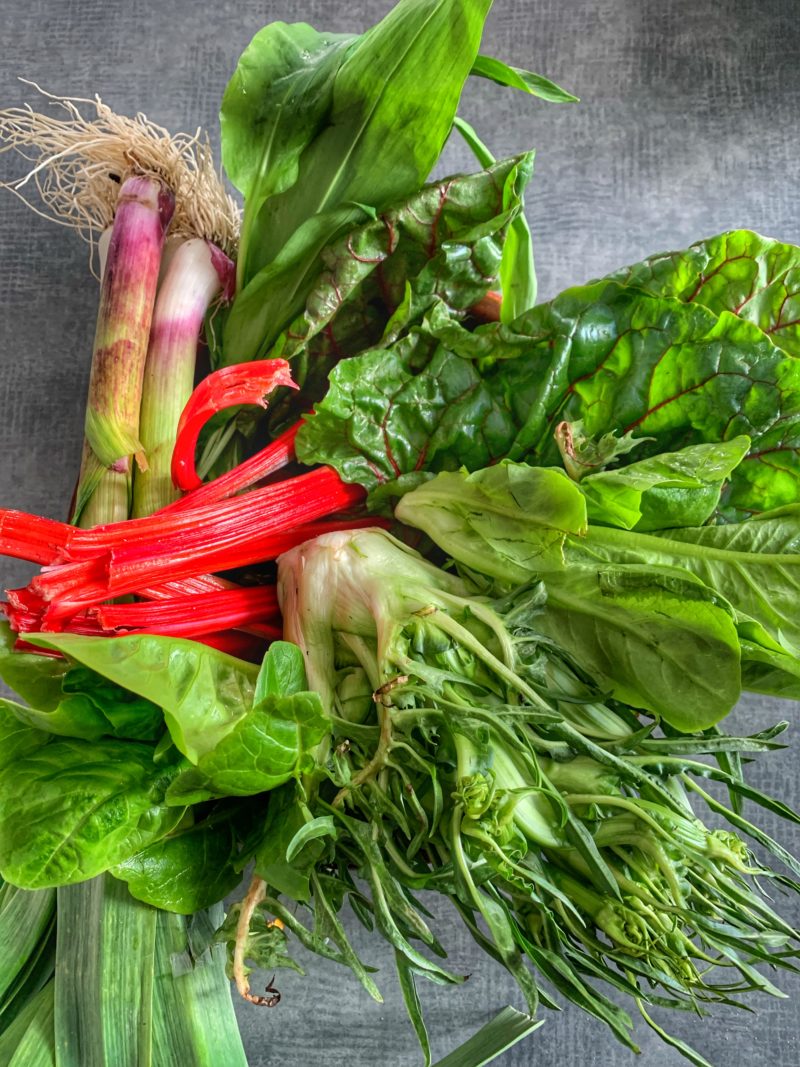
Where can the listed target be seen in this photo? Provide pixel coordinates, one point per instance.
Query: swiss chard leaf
(262, 750)
(409, 407)
(382, 135)
(614, 357)
(203, 692)
(71, 809)
(189, 870)
(752, 276)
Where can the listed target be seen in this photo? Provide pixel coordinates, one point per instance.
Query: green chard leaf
(740, 271)
(189, 870)
(411, 406)
(202, 692)
(613, 357)
(17, 740)
(71, 809)
(380, 134)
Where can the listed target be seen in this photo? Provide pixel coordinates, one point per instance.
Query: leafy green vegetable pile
(506, 687)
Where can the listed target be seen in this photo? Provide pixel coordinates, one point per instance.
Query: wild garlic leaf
(382, 135)
(203, 692)
(277, 101)
(71, 809)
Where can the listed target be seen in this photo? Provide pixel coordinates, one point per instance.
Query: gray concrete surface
(688, 125)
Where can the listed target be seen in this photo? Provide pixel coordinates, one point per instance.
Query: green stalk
(104, 976)
(127, 296)
(195, 274)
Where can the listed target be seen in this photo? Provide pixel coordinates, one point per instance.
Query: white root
(78, 163)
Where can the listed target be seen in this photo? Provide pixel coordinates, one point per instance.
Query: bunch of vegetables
(468, 628)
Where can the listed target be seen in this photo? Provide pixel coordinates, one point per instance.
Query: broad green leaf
(272, 742)
(189, 870)
(665, 491)
(17, 740)
(73, 701)
(275, 104)
(651, 637)
(383, 133)
(516, 78)
(755, 565)
(203, 692)
(740, 271)
(282, 674)
(72, 809)
(509, 521)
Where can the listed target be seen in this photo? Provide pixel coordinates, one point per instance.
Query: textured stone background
(688, 125)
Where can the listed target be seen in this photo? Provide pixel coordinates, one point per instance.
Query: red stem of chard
(127, 295)
(243, 383)
(196, 272)
(269, 460)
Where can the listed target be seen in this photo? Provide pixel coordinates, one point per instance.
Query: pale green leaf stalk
(127, 296)
(196, 273)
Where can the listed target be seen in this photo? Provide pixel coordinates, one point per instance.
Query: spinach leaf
(752, 276)
(16, 739)
(383, 133)
(189, 870)
(265, 748)
(71, 809)
(672, 489)
(653, 637)
(283, 672)
(755, 565)
(203, 692)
